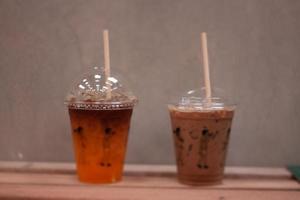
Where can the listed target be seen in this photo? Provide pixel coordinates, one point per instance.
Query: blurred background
(253, 46)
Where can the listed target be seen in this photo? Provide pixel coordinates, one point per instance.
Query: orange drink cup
(100, 127)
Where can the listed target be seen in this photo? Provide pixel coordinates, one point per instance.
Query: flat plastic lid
(197, 100)
(94, 92)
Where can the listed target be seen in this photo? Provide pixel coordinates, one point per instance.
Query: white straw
(106, 62)
(206, 66)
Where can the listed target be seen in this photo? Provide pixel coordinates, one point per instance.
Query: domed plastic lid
(197, 100)
(94, 92)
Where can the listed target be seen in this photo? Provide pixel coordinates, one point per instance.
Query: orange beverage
(100, 139)
(100, 109)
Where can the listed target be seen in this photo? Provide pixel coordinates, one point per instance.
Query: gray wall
(254, 54)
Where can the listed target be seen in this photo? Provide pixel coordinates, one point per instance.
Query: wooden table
(27, 180)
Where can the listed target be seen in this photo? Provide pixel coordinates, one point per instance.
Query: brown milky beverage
(100, 121)
(201, 133)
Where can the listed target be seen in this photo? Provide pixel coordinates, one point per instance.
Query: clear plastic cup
(100, 110)
(201, 130)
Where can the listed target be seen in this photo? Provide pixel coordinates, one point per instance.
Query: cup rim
(93, 105)
(180, 107)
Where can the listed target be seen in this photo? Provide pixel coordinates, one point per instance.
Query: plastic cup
(201, 130)
(100, 126)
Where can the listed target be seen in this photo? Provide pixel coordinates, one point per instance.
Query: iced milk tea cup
(201, 129)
